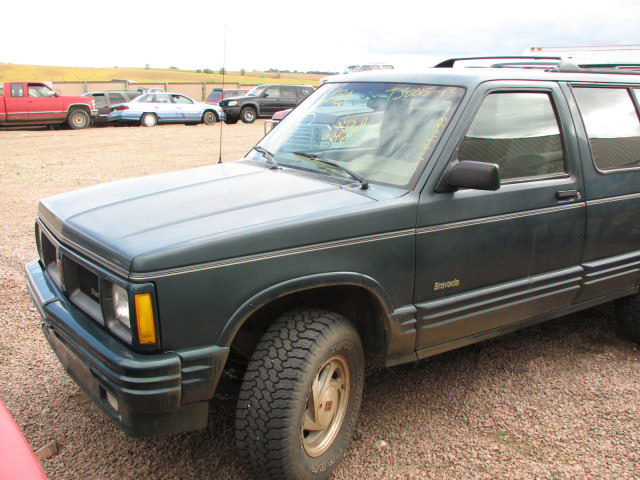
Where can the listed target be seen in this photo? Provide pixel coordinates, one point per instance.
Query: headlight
(120, 322)
(121, 306)
(232, 103)
(131, 314)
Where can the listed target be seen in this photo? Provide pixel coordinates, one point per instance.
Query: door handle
(568, 194)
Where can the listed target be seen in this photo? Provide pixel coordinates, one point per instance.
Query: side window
(520, 132)
(612, 124)
(181, 99)
(114, 97)
(273, 92)
(17, 90)
(289, 92)
(100, 99)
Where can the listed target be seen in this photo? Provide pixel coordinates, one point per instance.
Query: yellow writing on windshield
(339, 97)
(344, 129)
(410, 92)
(431, 140)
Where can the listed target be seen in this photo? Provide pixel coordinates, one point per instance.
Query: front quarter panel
(199, 303)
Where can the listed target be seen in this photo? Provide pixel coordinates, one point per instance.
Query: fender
(255, 106)
(280, 290)
(84, 106)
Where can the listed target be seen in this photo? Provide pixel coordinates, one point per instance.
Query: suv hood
(199, 215)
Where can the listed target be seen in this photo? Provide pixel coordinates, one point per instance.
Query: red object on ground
(17, 460)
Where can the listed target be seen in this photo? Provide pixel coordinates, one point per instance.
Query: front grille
(77, 280)
(49, 256)
(83, 288)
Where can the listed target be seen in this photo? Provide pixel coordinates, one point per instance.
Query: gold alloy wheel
(326, 406)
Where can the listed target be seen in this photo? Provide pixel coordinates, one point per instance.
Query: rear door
(612, 181)
(165, 108)
(487, 259)
(17, 102)
(289, 97)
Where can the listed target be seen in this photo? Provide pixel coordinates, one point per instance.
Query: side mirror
(469, 174)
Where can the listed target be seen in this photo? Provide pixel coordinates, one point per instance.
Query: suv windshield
(383, 132)
(256, 91)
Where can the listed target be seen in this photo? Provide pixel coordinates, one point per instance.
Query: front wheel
(300, 397)
(78, 119)
(148, 120)
(248, 115)
(209, 118)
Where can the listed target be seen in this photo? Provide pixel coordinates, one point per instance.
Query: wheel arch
(358, 297)
(253, 105)
(79, 106)
(207, 110)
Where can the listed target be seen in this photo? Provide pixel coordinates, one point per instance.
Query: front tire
(78, 119)
(248, 115)
(209, 118)
(300, 397)
(148, 120)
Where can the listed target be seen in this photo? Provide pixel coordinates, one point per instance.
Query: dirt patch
(560, 400)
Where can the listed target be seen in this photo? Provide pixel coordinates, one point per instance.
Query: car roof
(449, 74)
(283, 85)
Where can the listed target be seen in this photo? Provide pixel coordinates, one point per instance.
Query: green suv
(390, 217)
(263, 101)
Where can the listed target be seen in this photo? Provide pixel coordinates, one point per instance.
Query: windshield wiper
(363, 181)
(267, 155)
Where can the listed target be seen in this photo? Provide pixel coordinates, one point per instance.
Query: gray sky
(295, 35)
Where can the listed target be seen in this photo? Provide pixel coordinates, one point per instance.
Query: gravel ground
(558, 401)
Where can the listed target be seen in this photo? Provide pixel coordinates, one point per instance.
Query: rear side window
(115, 97)
(520, 132)
(289, 92)
(611, 120)
(17, 90)
(100, 99)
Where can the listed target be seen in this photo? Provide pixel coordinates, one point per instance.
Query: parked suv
(104, 100)
(391, 217)
(263, 101)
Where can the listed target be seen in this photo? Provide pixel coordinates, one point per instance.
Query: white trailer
(596, 54)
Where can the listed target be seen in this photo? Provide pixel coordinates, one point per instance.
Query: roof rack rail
(548, 63)
(619, 68)
(503, 60)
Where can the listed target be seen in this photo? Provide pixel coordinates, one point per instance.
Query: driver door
(489, 259)
(272, 101)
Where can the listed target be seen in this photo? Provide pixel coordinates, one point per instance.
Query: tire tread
(271, 380)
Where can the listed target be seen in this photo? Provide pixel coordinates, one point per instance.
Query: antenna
(224, 70)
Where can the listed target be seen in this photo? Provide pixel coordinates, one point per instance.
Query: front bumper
(144, 394)
(231, 114)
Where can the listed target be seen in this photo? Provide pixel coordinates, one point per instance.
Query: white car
(153, 108)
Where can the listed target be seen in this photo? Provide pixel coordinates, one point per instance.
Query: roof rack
(551, 64)
(503, 61)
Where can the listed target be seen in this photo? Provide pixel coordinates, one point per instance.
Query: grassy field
(14, 72)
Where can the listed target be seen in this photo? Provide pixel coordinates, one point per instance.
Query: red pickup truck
(35, 103)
